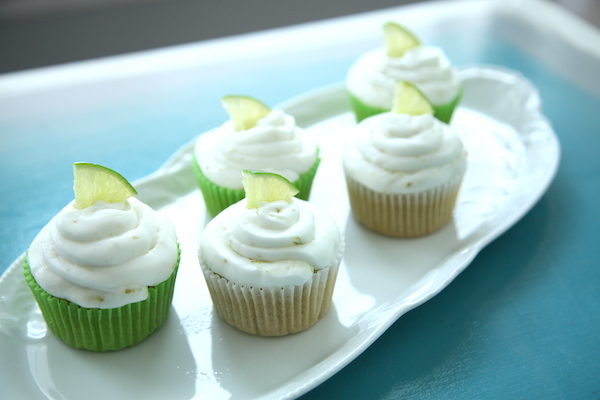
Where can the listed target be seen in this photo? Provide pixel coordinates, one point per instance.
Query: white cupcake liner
(404, 214)
(273, 311)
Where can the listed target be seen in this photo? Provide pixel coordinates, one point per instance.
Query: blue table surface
(522, 321)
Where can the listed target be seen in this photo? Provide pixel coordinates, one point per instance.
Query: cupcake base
(97, 329)
(403, 215)
(217, 198)
(443, 112)
(272, 311)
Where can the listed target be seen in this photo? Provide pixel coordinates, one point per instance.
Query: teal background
(521, 322)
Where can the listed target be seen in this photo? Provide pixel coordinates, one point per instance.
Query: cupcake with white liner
(404, 168)
(271, 260)
(258, 138)
(371, 78)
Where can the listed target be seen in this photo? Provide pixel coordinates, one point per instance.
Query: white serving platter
(513, 157)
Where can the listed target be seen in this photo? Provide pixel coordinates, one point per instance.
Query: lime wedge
(398, 39)
(408, 99)
(266, 186)
(244, 111)
(92, 182)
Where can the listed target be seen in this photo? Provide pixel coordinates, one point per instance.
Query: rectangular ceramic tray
(513, 156)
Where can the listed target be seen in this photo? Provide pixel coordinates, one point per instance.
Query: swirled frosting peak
(276, 244)
(400, 153)
(372, 77)
(275, 144)
(105, 255)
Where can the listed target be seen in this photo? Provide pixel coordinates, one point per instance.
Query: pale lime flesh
(244, 111)
(265, 186)
(92, 182)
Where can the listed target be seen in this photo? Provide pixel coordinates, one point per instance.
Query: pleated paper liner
(217, 198)
(403, 215)
(97, 329)
(273, 311)
(443, 112)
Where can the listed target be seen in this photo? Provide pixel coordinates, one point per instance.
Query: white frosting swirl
(275, 144)
(276, 244)
(373, 76)
(104, 256)
(399, 153)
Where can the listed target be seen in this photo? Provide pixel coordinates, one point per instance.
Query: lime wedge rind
(93, 182)
(244, 111)
(262, 186)
(398, 39)
(409, 99)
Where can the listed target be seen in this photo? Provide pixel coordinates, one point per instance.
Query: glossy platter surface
(513, 157)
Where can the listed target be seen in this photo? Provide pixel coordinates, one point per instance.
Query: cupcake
(103, 269)
(404, 168)
(255, 138)
(370, 80)
(271, 260)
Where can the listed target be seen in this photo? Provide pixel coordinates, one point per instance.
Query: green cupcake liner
(98, 329)
(217, 198)
(305, 181)
(443, 112)
(362, 110)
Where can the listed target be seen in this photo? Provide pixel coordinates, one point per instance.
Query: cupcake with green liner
(103, 269)
(371, 79)
(271, 260)
(404, 168)
(256, 137)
